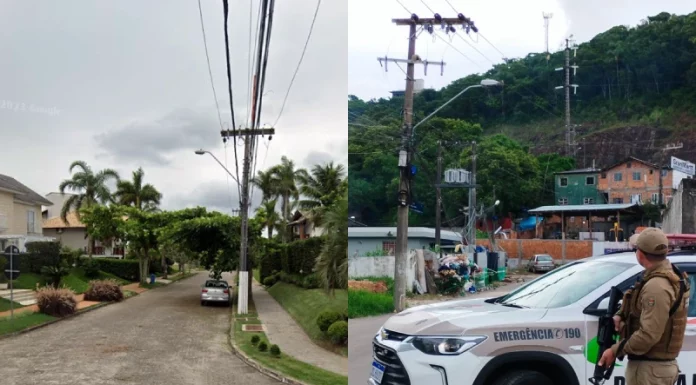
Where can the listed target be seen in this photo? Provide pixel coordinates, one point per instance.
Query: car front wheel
(524, 377)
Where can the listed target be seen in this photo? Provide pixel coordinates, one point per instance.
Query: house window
(389, 247)
(588, 201)
(651, 172)
(563, 182)
(664, 172)
(636, 175)
(604, 175)
(635, 198)
(618, 177)
(655, 198)
(31, 222)
(563, 201)
(618, 200)
(590, 181)
(628, 165)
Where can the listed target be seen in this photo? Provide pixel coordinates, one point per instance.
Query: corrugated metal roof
(413, 232)
(599, 207)
(579, 171)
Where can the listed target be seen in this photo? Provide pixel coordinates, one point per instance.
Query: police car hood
(456, 317)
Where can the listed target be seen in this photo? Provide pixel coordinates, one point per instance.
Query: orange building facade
(633, 181)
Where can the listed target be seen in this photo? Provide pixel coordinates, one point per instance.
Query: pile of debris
(374, 287)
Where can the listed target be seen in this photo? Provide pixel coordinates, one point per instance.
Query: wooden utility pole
(244, 281)
(438, 198)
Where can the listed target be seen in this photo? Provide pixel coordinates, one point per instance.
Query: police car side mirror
(603, 305)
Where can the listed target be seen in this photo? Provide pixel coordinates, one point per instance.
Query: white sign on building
(684, 166)
(457, 175)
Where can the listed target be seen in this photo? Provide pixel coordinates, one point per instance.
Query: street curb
(251, 362)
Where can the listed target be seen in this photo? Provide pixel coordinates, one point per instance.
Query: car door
(591, 349)
(687, 356)
(688, 352)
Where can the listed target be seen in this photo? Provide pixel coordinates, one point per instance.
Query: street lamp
(484, 83)
(243, 291)
(203, 152)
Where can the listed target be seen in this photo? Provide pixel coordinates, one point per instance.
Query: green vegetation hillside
(637, 94)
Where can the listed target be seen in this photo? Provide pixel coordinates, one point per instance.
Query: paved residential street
(162, 336)
(362, 330)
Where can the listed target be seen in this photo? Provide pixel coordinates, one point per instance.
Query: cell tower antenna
(547, 19)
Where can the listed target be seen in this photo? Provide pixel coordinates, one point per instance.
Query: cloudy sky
(514, 28)
(124, 84)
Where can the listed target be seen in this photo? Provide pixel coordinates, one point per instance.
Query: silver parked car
(541, 263)
(215, 291)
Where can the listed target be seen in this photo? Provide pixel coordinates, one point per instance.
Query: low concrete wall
(524, 249)
(380, 267)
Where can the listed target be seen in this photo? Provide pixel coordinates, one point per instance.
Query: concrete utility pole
(405, 172)
(438, 197)
(570, 129)
(244, 282)
(472, 200)
(547, 19)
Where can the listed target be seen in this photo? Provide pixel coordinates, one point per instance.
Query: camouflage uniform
(653, 324)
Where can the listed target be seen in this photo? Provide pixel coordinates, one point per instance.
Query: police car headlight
(446, 345)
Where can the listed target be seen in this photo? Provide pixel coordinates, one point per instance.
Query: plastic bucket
(501, 274)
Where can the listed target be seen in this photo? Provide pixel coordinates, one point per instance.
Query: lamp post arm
(223, 166)
(444, 105)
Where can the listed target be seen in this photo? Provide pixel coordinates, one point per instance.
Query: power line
(207, 58)
(229, 84)
(299, 63)
(427, 6)
(252, 61)
(404, 7)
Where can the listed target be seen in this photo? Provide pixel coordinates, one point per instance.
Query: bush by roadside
(106, 290)
(55, 302)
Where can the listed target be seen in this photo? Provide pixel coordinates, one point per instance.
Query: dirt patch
(116, 349)
(375, 287)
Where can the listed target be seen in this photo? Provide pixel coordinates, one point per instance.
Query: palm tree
(270, 215)
(332, 263)
(322, 188)
(144, 197)
(266, 183)
(285, 177)
(90, 189)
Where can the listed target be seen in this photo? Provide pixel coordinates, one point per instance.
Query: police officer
(653, 315)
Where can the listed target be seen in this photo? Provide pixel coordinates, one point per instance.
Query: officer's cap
(652, 241)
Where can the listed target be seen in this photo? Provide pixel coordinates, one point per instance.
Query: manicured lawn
(306, 305)
(5, 305)
(152, 286)
(284, 364)
(363, 303)
(28, 281)
(181, 276)
(22, 321)
(76, 280)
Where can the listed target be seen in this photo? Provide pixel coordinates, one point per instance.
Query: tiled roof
(57, 222)
(21, 191)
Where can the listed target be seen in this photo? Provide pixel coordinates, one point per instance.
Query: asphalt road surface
(162, 336)
(362, 330)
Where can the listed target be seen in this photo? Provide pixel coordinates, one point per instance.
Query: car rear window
(213, 284)
(544, 258)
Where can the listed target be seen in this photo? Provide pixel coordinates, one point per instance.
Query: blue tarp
(528, 223)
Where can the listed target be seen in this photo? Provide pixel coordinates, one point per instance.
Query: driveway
(362, 330)
(163, 336)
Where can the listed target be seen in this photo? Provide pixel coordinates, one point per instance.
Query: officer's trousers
(652, 372)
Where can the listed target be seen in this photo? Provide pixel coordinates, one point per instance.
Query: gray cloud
(156, 140)
(146, 99)
(318, 157)
(218, 196)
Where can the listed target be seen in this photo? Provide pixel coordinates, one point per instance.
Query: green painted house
(577, 187)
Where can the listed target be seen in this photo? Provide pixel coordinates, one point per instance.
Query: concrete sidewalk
(282, 330)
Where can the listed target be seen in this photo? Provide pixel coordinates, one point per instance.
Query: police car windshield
(566, 285)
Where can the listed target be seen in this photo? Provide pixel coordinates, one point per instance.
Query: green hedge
(40, 254)
(295, 258)
(128, 269)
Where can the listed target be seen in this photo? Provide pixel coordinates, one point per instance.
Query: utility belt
(633, 357)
